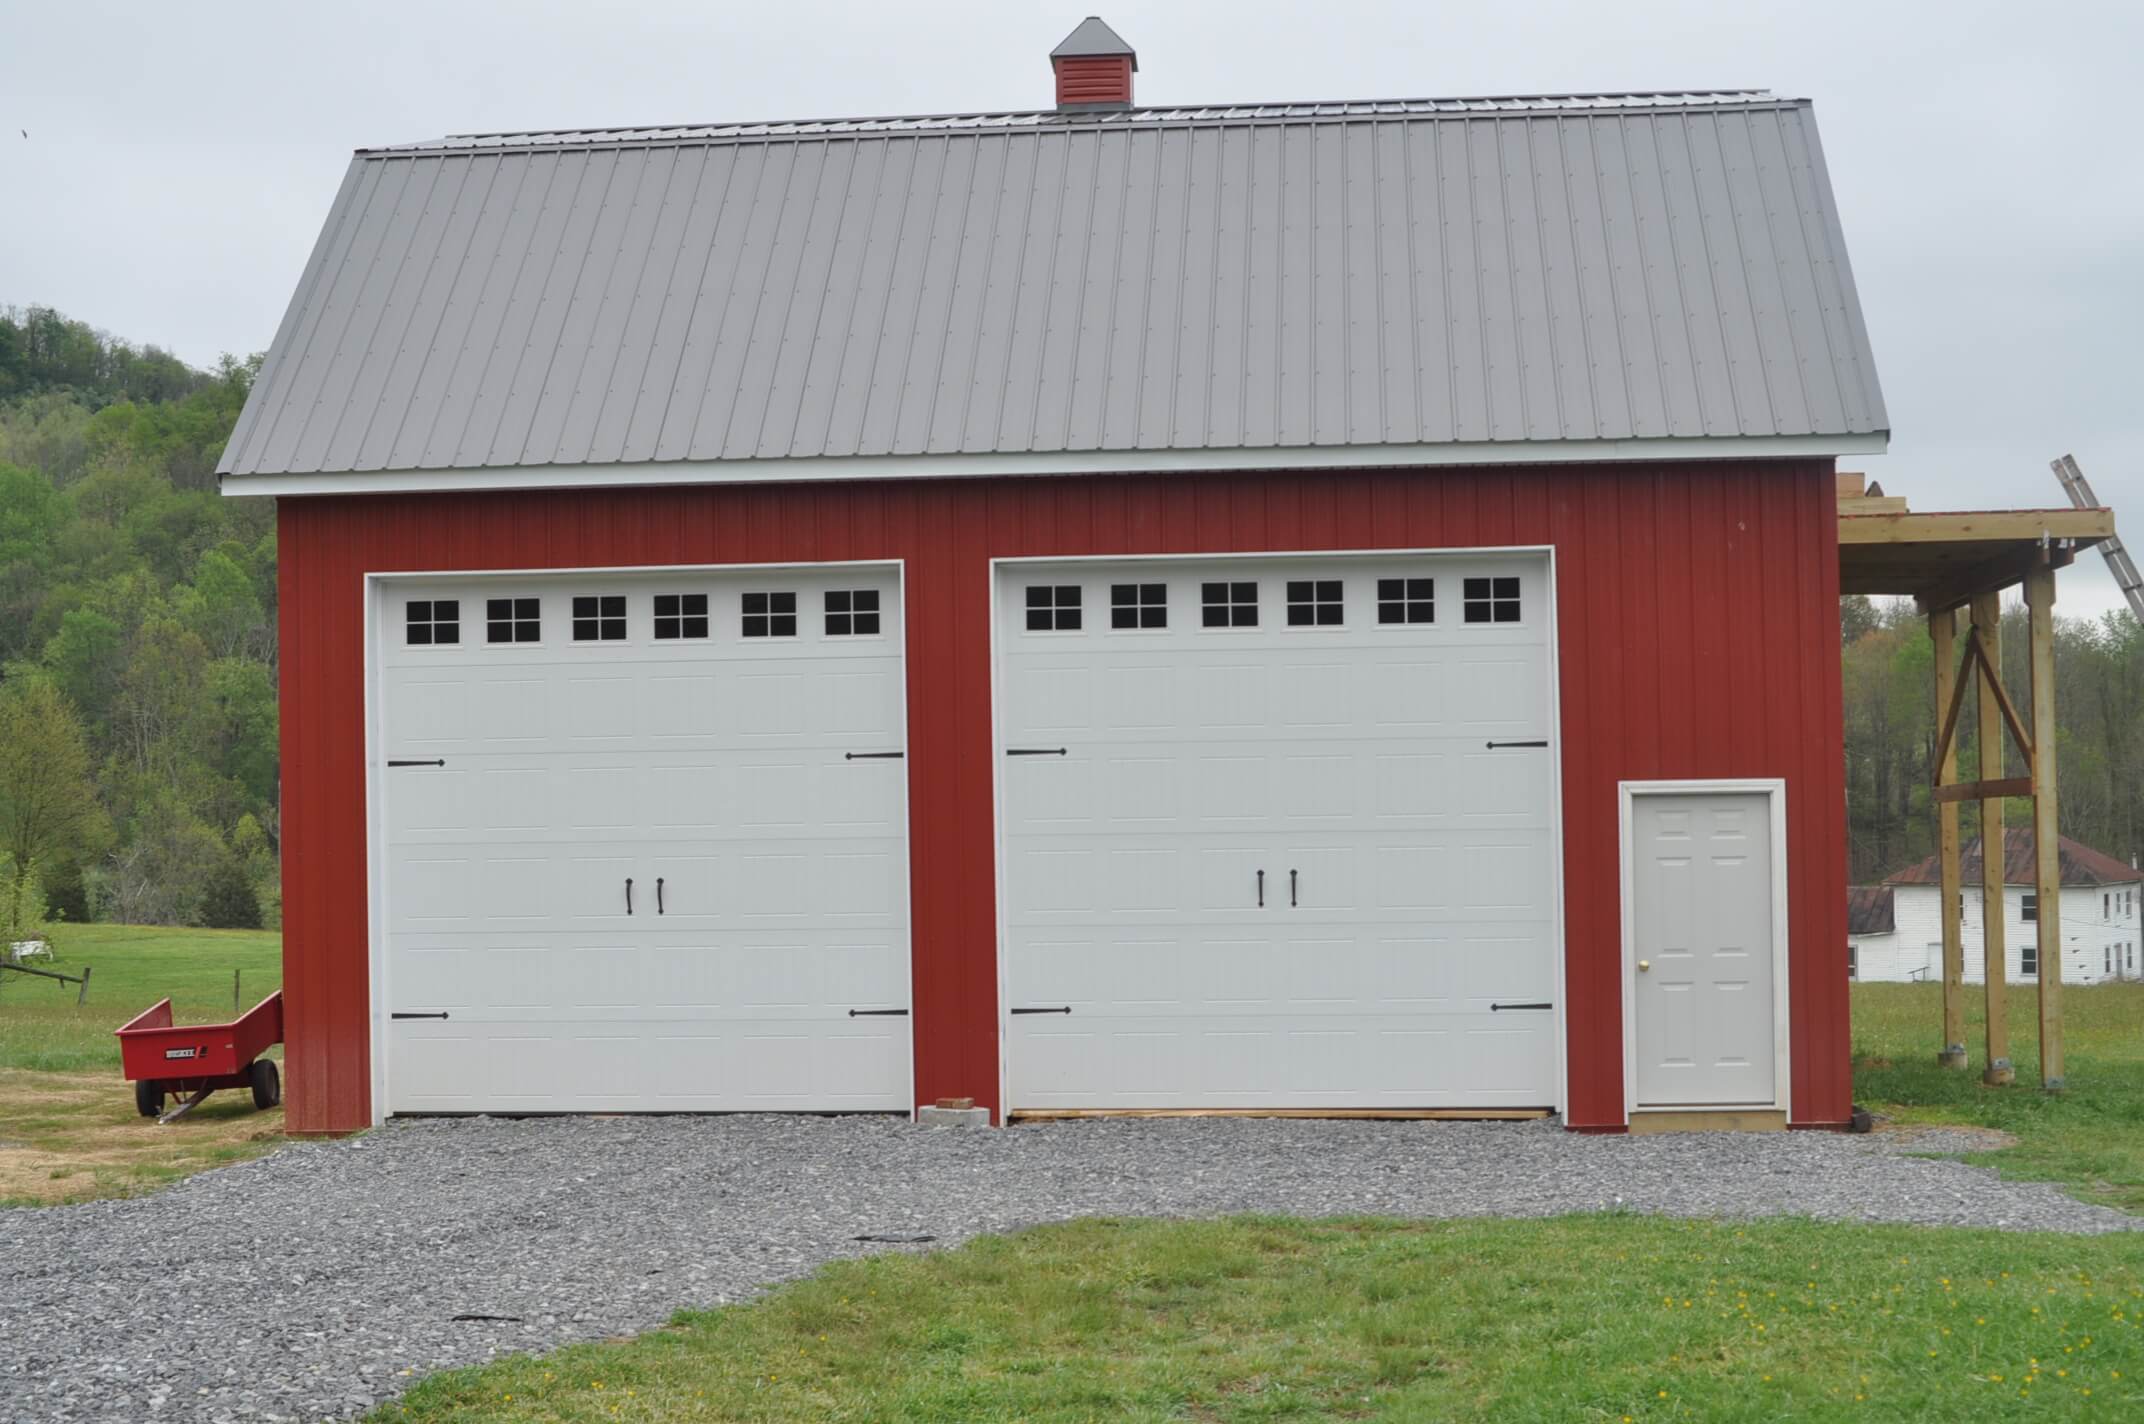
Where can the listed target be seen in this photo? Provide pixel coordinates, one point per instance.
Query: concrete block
(952, 1117)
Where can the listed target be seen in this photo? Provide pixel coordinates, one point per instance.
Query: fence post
(82, 997)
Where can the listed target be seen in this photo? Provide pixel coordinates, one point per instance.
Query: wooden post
(82, 997)
(2046, 838)
(1988, 624)
(234, 993)
(1943, 630)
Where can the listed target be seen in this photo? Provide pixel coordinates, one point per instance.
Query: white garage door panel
(768, 865)
(1422, 904)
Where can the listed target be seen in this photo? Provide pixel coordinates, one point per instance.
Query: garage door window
(1314, 603)
(770, 615)
(1138, 605)
(599, 618)
(851, 612)
(1230, 605)
(680, 615)
(433, 621)
(513, 620)
(1492, 600)
(1411, 600)
(1053, 608)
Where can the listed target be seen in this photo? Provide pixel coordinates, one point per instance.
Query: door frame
(377, 585)
(1774, 790)
(1559, 1032)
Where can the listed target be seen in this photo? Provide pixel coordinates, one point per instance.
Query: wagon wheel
(267, 1086)
(148, 1098)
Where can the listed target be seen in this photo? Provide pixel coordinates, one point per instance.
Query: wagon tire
(148, 1098)
(267, 1086)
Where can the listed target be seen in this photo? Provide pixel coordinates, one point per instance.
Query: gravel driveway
(320, 1280)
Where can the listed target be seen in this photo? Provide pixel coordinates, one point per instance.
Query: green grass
(133, 966)
(1579, 1318)
(2090, 1137)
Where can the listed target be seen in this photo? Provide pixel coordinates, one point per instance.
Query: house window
(851, 612)
(1229, 605)
(1491, 600)
(598, 618)
(513, 620)
(2106, 907)
(680, 615)
(770, 615)
(1138, 605)
(2030, 908)
(437, 620)
(2106, 965)
(1314, 603)
(2028, 962)
(1407, 600)
(1853, 960)
(1053, 608)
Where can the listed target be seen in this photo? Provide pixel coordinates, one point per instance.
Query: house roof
(2080, 864)
(1871, 910)
(1539, 273)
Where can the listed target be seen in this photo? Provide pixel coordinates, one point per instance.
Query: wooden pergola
(1956, 567)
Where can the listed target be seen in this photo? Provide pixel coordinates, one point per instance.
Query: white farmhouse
(1895, 930)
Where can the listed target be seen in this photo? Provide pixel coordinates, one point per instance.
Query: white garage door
(644, 842)
(1277, 833)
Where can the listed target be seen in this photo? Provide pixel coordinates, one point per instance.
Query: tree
(228, 901)
(48, 807)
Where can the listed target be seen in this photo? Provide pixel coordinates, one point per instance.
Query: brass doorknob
(1644, 964)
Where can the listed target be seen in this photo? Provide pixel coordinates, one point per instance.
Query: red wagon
(161, 1058)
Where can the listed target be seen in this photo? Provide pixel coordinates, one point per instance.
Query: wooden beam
(1987, 630)
(1947, 733)
(1850, 483)
(1943, 630)
(1973, 526)
(1981, 790)
(2046, 839)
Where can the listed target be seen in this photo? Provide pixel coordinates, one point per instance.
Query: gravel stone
(325, 1278)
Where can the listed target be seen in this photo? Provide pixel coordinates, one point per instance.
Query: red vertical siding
(1697, 626)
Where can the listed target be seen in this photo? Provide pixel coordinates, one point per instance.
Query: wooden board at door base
(1337, 1114)
(1649, 1121)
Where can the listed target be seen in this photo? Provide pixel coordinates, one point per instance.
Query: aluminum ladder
(2118, 560)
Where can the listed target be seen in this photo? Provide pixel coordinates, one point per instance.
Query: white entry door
(1703, 970)
(1276, 833)
(643, 842)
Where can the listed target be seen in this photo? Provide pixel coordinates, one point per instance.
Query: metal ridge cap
(1152, 115)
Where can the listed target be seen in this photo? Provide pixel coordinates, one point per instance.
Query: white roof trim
(1055, 462)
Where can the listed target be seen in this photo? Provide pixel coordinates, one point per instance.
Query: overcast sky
(180, 158)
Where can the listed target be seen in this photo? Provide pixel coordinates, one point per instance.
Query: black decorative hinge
(1494, 745)
(878, 1013)
(872, 756)
(436, 761)
(1034, 751)
(1066, 1009)
(1494, 1007)
(439, 1015)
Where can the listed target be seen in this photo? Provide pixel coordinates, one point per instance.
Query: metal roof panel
(1368, 274)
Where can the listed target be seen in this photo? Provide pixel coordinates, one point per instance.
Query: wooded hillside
(137, 633)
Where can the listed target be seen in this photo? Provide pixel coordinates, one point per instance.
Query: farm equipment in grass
(164, 1059)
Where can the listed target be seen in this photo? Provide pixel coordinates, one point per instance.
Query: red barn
(1266, 607)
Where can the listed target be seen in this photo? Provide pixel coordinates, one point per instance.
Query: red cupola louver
(1094, 68)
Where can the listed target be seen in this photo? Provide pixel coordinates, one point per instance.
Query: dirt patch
(76, 1136)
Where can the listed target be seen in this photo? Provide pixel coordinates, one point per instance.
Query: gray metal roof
(1421, 272)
